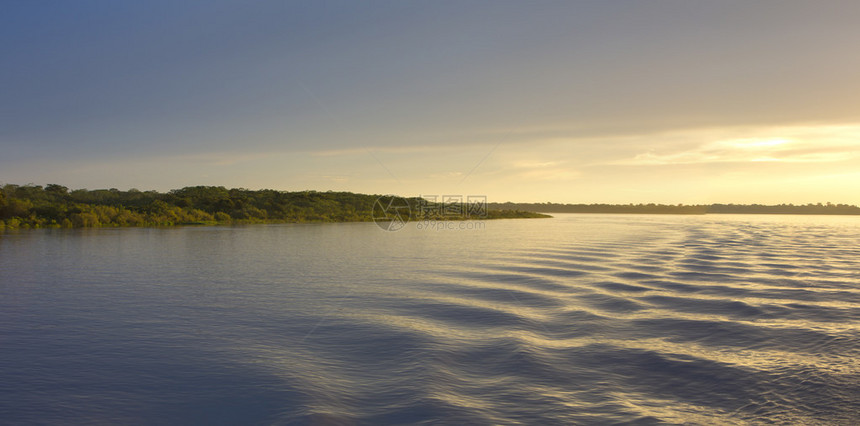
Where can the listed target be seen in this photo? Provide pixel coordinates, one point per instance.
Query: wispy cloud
(364, 150)
(543, 171)
(223, 158)
(788, 145)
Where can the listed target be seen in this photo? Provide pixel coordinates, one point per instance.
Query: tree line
(817, 209)
(35, 206)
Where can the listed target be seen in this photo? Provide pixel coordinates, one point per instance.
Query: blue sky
(622, 101)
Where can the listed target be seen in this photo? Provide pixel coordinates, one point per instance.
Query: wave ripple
(580, 319)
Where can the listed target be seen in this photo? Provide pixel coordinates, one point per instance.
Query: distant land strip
(35, 206)
(55, 206)
(800, 209)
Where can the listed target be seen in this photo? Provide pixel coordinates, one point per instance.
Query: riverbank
(55, 206)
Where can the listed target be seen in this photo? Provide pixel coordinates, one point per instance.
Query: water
(577, 319)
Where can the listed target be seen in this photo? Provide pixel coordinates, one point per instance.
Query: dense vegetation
(34, 206)
(824, 209)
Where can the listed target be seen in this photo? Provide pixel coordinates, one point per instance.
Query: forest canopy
(34, 206)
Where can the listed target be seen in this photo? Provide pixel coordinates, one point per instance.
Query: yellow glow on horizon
(766, 143)
(789, 144)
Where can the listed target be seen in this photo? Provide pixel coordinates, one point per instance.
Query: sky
(540, 101)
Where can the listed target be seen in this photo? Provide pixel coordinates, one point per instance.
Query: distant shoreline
(708, 214)
(820, 209)
(55, 206)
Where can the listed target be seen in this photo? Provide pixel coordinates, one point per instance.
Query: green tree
(17, 208)
(56, 189)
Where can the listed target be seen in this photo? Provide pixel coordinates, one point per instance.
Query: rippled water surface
(579, 319)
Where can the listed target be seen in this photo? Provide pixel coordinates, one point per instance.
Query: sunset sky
(590, 101)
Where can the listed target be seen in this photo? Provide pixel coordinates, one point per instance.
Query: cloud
(400, 149)
(542, 171)
(223, 159)
(799, 144)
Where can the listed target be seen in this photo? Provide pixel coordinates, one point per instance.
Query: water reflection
(577, 319)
